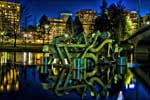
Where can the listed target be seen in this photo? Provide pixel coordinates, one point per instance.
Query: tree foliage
(117, 17)
(43, 21)
(77, 26)
(103, 8)
(102, 22)
(129, 29)
(69, 25)
(114, 19)
(25, 16)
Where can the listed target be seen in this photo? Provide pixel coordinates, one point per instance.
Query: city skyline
(52, 8)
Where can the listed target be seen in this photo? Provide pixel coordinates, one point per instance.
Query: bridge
(141, 41)
(141, 36)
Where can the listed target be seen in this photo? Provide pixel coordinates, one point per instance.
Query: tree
(103, 8)
(122, 19)
(69, 25)
(112, 13)
(98, 24)
(25, 16)
(102, 22)
(117, 16)
(77, 26)
(129, 28)
(31, 28)
(43, 21)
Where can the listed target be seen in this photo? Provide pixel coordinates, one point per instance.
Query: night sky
(52, 8)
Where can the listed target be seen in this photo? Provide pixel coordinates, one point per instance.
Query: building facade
(9, 17)
(87, 18)
(57, 27)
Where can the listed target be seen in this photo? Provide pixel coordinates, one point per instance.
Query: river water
(21, 83)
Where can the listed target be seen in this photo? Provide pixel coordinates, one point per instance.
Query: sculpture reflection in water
(82, 63)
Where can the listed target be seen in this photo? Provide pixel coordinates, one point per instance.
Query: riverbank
(21, 48)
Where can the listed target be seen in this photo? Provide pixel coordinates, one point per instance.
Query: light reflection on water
(9, 74)
(27, 58)
(8, 78)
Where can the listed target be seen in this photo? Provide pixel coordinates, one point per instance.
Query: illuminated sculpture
(79, 63)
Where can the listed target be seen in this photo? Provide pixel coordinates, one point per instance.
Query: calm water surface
(22, 83)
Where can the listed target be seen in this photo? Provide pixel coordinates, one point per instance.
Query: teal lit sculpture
(77, 64)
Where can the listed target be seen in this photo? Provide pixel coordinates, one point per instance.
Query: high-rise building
(87, 18)
(57, 27)
(9, 17)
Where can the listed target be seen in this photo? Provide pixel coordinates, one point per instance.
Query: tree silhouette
(25, 16)
(43, 21)
(69, 25)
(117, 17)
(122, 20)
(103, 8)
(77, 26)
(102, 22)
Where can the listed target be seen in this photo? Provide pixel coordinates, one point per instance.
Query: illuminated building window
(9, 10)
(87, 18)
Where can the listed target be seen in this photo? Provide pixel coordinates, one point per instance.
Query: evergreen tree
(122, 20)
(117, 18)
(102, 22)
(43, 21)
(31, 28)
(103, 8)
(69, 25)
(77, 26)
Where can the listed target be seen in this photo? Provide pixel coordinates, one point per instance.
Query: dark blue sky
(52, 8)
